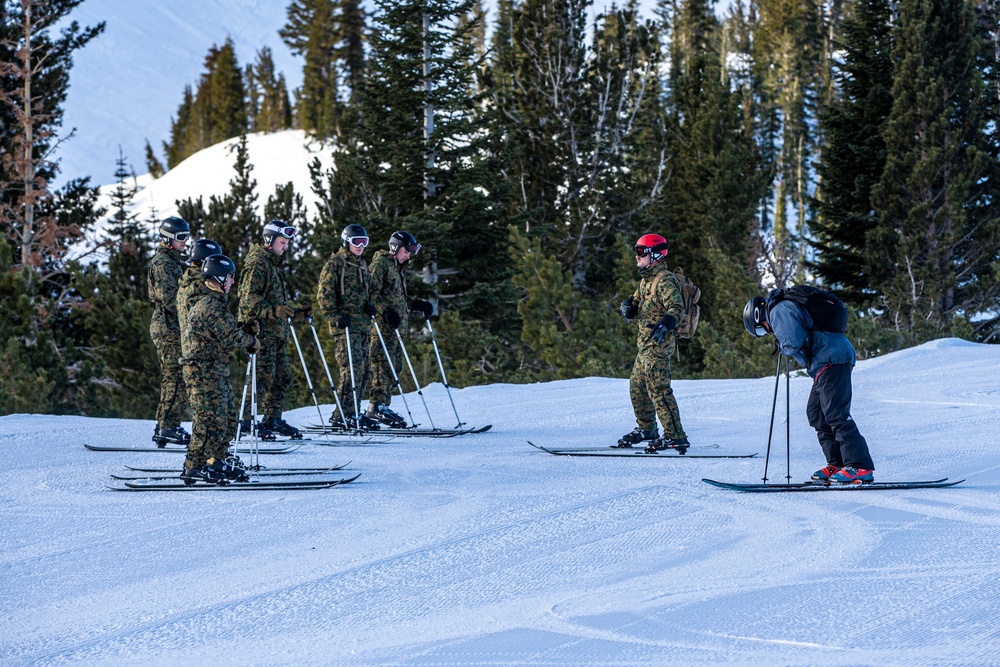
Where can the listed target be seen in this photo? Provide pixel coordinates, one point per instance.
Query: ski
(152, 485)
(179, 449)
(175, 474)
(819, 486)
(637, 453)
(403, 432)
(260, 470)
(639, 447)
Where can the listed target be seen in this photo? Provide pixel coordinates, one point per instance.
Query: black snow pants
(829, 412)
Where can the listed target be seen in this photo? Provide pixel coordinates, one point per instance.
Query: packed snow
(480, 550)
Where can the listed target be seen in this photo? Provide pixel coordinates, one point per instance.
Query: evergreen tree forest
(851, 144)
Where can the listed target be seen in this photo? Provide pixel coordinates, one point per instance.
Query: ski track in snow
(480, 550)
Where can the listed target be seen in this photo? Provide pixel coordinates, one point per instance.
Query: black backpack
(827, 311)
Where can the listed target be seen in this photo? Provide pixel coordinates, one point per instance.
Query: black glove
(343, 322)
(253, 347)
(369, 309)
(628, 308)
(251, 326)
(424, 307)
(391, 318)
(660, 329)
(304, 313)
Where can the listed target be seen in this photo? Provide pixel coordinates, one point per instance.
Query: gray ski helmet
(175, 229)
(353, 231)
(754, 315)
(401, 239)
(203, 249)
(276, 228)
(218, 268)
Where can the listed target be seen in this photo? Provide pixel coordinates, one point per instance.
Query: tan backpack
(690, 294)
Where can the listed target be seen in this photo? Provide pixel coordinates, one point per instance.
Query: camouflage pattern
(191, 283)
(649, 386)
(344, 290)
(206, 340)
(388, 290)
(383, 385)
(262, 287)
(165, 270)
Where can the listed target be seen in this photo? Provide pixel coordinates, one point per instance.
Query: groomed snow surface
(480, 550)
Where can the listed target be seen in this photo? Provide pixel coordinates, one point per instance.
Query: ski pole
(414, 376)
(392, 368)
(354, 385)
(788, 423)
(305, 370)
(254, 453)
(770, 429)
(444, 379)
(326, 367)
(243, 403)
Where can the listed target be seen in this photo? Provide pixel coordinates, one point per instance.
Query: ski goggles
(642, 251)
(179, 236)
(358, 241)
(412, 248)
(287, 232)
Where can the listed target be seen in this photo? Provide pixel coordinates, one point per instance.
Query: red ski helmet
(653, 245)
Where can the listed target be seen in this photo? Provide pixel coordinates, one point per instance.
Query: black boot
(381, 413)
(636, 436)
(281, 427)
(660, 444)
(205, 473)
(231, 468)
(176, 435)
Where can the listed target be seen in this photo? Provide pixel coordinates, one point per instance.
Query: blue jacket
(790, 324)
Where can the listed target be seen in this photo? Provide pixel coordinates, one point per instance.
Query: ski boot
(849, 475)
(176, 435)
(205, 473)
(636, 436)
(381, 413)
(660, 444)
(231, 468)
(823, 475)
(365, 423)
(279, 426)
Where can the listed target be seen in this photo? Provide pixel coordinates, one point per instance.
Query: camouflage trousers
(173, 397)
(360, 341)
(214, 424)
(649, 388)
(383, 384)
(274, 375)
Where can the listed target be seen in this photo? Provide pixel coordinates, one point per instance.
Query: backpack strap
(656, 283)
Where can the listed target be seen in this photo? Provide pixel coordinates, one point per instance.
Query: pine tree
(153, 165)
(937, 225)
(128, 257)
(270, 110)
(854, 155)
(181, 144)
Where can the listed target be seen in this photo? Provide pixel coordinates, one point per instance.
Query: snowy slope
(482, 551)
(127, 84)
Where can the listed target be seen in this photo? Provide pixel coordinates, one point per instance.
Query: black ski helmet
(203, 249)
(175, 229)
(401, 239)
(276, 228)
(353, 231)
(218, 268)
(754, 315)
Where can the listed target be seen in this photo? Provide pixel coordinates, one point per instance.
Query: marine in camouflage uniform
(162, 279)
(388, 289)
(344, 297)
(210, 333)
(649, 385)
(192, 281)
(263, 293)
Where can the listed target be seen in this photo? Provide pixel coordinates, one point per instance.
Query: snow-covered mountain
(480, 550)
(127, 84)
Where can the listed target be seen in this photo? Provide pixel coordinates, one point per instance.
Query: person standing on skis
(657, 307)
(829, 359)
(388, 292)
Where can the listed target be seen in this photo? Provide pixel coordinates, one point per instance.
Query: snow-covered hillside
(480, 550)
(127, 84)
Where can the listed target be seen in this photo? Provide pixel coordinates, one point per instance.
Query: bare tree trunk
(29, 140)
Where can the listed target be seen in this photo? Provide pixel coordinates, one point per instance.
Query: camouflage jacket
(165, 270)
(344, 289)
(652, 309)
(262, 287)
(191, 283)
(388, 288)
(210, 332)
